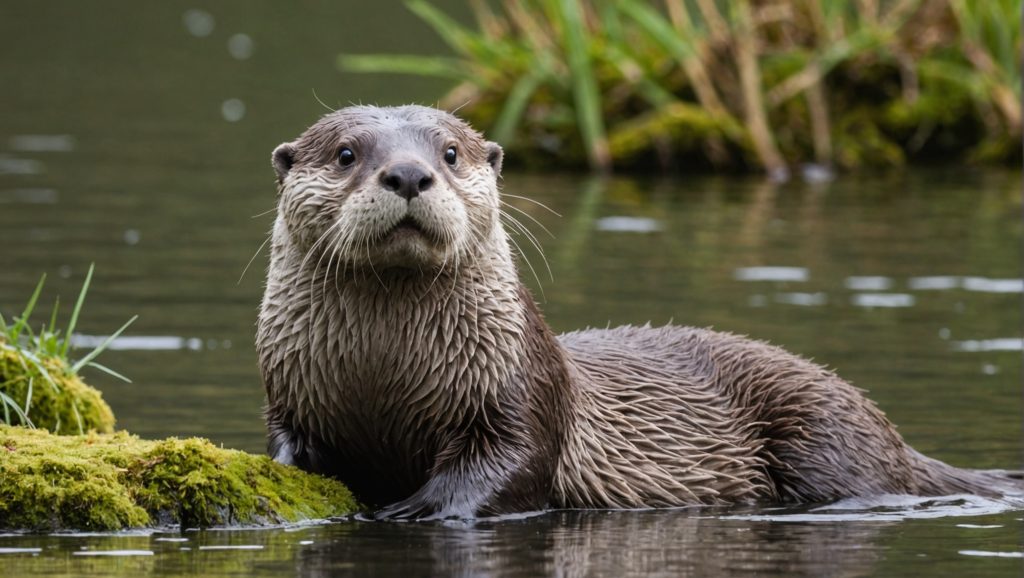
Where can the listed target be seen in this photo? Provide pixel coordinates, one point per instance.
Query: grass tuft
(39, 385)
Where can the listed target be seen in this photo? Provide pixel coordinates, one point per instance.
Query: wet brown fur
(419, 371)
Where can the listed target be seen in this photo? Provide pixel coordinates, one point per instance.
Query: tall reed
(757, 83)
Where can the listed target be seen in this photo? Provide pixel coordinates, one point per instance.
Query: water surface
(125, 148)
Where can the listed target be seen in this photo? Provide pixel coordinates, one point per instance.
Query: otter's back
(728, 418)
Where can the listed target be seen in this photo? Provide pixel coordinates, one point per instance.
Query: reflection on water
(877, 540)
(144, 148)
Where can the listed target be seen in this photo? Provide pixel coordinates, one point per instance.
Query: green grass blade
(28, 395)
(659, 29)
(53, 316)
(78, 417)
(458, 37)
(23, 355)
(10, 403)
(516, 102)
(108, 371)
(434, 66)
(23, 320)
(77, 310)
(106, 342)
(584, 84)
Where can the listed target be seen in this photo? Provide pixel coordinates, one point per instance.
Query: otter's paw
(413, 508)
(426, 505)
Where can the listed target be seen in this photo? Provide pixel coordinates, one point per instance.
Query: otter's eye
(450, 156)
(346, 157)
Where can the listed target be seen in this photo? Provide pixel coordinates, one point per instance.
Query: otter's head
(409, 187)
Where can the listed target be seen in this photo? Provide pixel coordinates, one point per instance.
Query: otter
(401, 354)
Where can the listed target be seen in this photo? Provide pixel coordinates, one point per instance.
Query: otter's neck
(412, 352)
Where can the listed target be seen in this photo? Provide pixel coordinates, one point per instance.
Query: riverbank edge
(109, 482)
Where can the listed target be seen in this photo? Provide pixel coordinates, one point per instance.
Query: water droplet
(240, 46)
(199, 23)
(132, 236)
(233, 110)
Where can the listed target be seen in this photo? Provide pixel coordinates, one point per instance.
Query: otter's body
(401, 354)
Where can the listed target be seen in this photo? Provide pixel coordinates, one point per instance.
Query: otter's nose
(406, 180)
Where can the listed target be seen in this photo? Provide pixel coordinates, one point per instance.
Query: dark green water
(907, 283)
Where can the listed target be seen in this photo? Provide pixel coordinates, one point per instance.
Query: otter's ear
(282, 158)
(494, 156)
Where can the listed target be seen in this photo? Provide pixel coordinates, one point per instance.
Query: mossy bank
(118, 481)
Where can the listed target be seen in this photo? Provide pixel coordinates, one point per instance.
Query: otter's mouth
(409, 226)
(408, 223)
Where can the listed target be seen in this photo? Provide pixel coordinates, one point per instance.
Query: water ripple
(620, 224)
(771, 274)
(894, 508)
(1000, 344)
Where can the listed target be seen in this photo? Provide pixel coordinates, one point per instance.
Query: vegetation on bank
(39, 385)
(105, 482)
(732, 83)
(95, 480)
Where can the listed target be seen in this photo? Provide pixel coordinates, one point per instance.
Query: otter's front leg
(473, 477)
(282, 443)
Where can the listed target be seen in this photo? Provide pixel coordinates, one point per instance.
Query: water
(126, 147)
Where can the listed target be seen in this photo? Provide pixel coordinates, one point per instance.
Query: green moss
(683, 125)
(859, 142)
(60, 401)
(117, 481)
